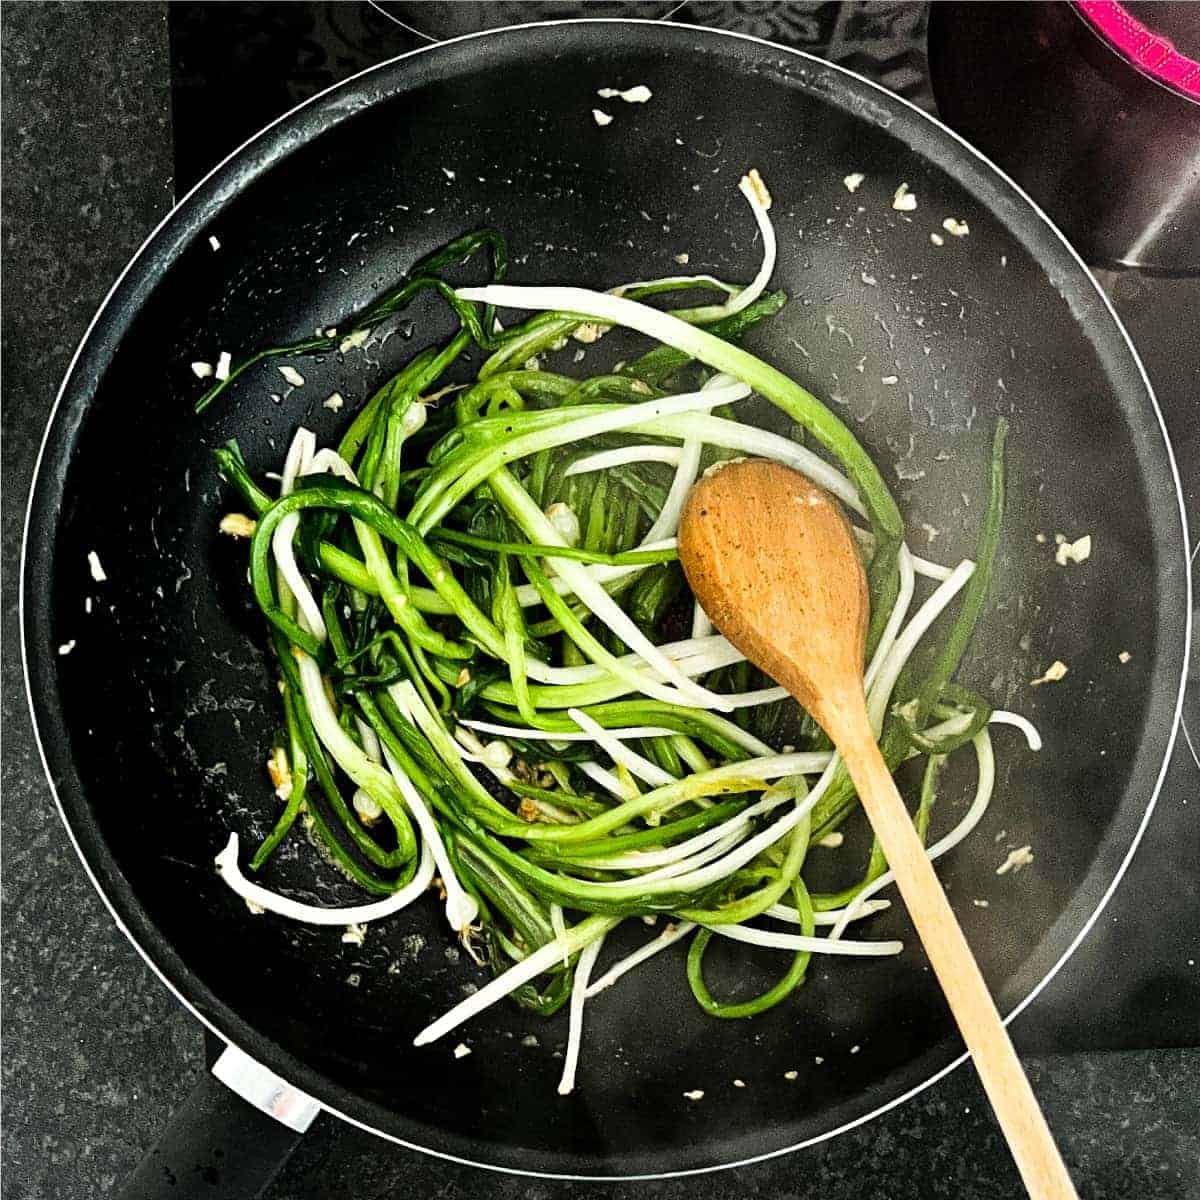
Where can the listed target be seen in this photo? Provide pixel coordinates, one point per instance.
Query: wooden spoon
(772, 560)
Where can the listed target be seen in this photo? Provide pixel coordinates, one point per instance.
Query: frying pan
(154, 727)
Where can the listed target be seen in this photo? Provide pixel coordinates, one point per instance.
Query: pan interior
(919, 347)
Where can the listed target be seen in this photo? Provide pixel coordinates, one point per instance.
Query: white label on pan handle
(265, 1090)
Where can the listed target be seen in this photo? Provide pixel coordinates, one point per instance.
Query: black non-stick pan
(155, 725)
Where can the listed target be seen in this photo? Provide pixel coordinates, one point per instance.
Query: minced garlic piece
(224, 363)
(1019, 858)
(1073, 552)
(956, 228)
(601, 118)
(292, 376)
(202, 370)
(67, 647)
(94, 566)
(1054, 672)
(352, 341)
(937, 239)
(695, 1095)
(1124, 656)
(683, 259)
(238, 525)
(461, 1050)
(589, 332)
(280, 772)
(334, 403)
(831, 841)
(853, 181)
(354, 935)
(634, 95)
(904, 200)
(464, 677)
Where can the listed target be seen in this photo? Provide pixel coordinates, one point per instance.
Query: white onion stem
(673, 933)
(1027, 727)
(583, 972)
(543, 735)
(461, 906)
(983, 794)
(797, 941)
(634, 763)
(355, 914)
(543, 959)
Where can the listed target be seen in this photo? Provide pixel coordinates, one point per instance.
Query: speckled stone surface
(96, 1052)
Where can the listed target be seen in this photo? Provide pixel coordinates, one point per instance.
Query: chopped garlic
(890, 380)
(464, 677)
(589, 332)
(855, 1049)
(449, 174)
(355, 935)
(212, 241)
(94, 564)
(461, 1050)
(790, 1075)
(224, 362)
(634, 95)
(1040, 538)
(1054, 672)
(532, 364)
(937, 239)
(1124, 656)
(853, 181)
(683, 259)
(254, 907)
(831, 841)
(334, 403)
(1019, 858)
(980, 903)
(280, 771)
(67, 647)
(956, 228)
(601, 118)
(904, 200)
(1073, 552)
(202, 370)
(237, 525)
(579, 356)
(352, 341)
(292, 376)
(739, 1083)
(696, 1095)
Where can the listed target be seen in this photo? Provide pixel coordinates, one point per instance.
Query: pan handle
(228, 1140)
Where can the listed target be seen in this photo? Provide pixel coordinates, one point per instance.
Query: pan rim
(221, 1018)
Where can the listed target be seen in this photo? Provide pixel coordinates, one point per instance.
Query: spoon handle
(1012, 1099)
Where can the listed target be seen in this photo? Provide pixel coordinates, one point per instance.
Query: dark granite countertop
(96, 1051)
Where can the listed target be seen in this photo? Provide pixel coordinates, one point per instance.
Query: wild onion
(491, 667)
